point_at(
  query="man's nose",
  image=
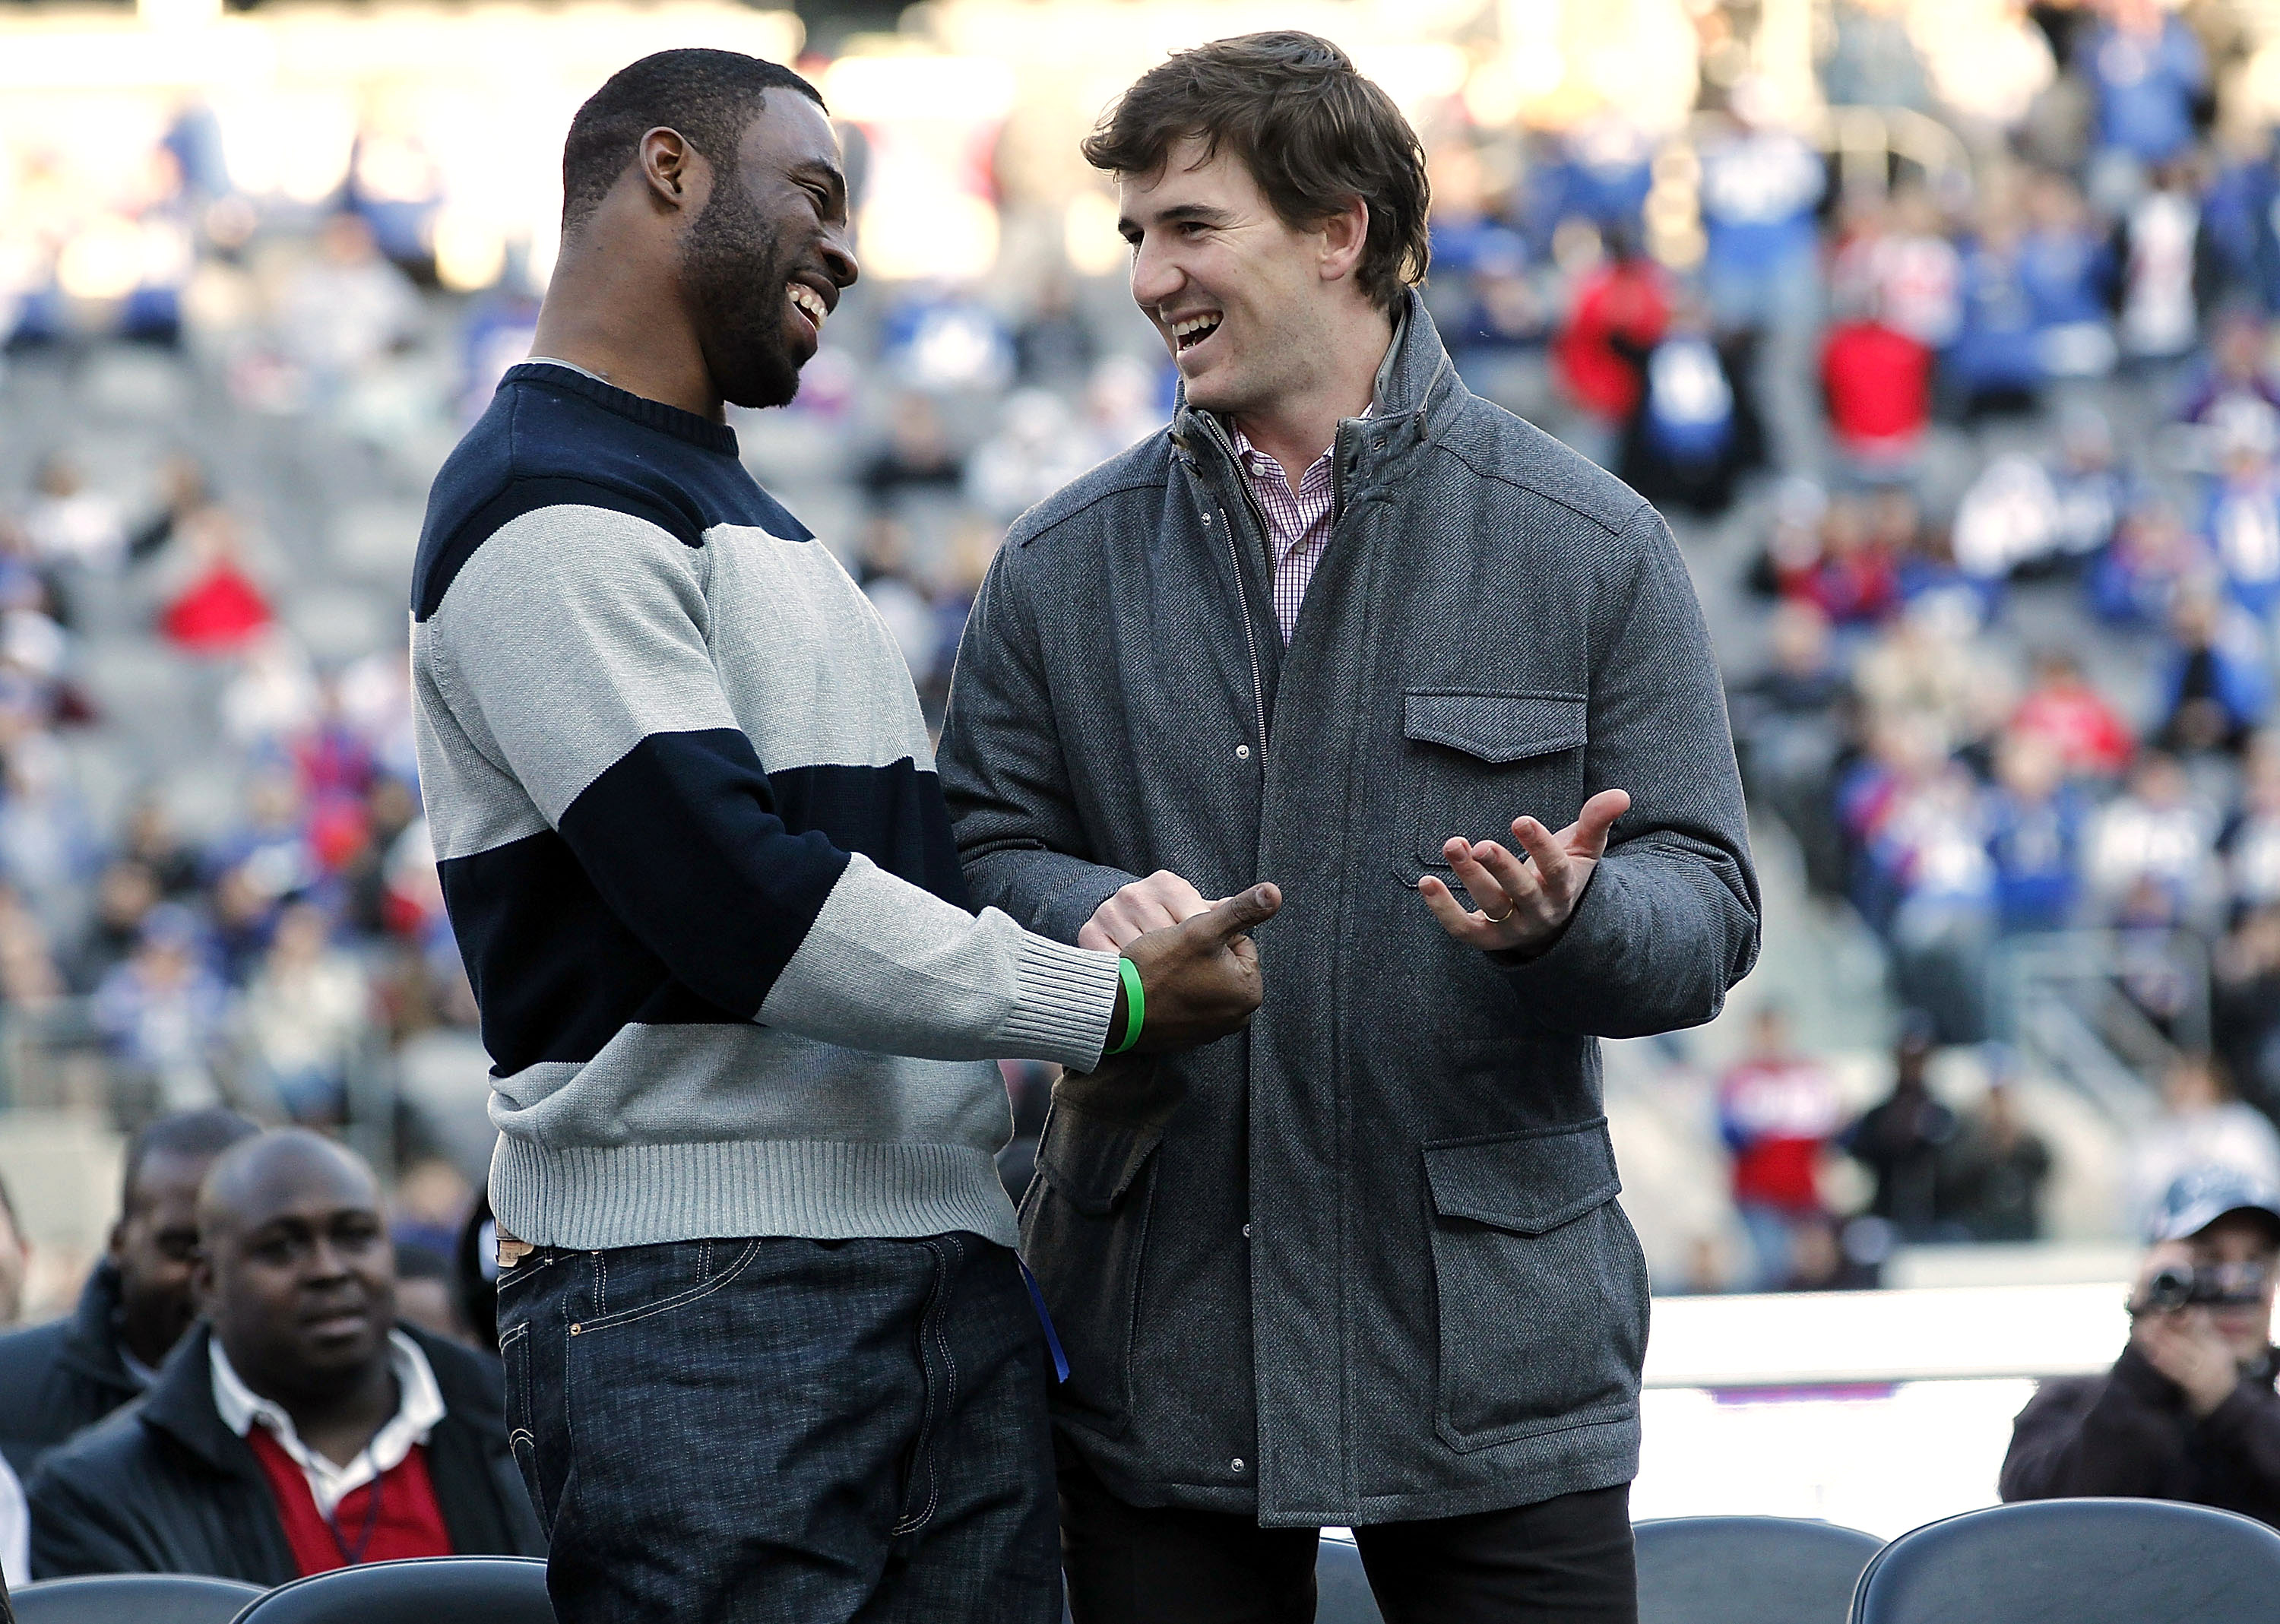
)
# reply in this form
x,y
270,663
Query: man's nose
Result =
x,y
839,260
1155,276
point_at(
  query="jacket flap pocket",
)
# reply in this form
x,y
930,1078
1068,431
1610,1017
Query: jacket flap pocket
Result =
x,y
1527,1184
1092,1163
1496,728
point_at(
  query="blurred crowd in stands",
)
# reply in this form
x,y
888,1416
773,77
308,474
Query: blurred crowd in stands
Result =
x,y
1976,443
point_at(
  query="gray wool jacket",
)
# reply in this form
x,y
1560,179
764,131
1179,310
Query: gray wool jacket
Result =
x,y
1362,1263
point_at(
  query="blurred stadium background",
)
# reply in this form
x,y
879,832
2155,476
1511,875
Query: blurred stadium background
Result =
x,y
1940,327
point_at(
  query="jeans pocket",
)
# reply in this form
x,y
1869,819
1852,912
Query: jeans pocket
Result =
x,y
1540,1286
640,1283
522,1404
1084,1231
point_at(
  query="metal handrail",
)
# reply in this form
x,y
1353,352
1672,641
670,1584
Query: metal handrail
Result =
x,y
2059,999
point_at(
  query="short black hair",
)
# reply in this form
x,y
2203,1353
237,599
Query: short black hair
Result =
x,y
710,96
185,1133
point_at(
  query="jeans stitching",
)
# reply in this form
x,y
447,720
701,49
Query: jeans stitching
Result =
x,y
923,1454
514,1335
604,1322
526,1269
602,1286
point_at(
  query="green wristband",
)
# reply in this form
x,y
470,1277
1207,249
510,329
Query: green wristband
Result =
x,y
1136,1005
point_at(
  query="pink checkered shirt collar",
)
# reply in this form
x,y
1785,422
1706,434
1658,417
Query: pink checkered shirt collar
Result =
x,y
1298,522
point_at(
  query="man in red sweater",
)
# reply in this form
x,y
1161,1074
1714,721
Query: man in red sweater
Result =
x,y
299,1428
1877,383
1777,1111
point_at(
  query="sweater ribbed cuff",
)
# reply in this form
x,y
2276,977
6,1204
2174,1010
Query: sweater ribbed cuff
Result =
x,y
1063,998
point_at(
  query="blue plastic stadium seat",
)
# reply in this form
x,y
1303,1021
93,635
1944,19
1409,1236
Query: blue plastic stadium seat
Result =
x,y
428,1590
133,1598
1748,1570
2076,1562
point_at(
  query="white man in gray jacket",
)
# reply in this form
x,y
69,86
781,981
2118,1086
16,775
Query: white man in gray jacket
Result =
x,y
1345,622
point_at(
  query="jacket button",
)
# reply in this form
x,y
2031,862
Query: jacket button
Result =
x,y
1236,1465
1246,1232
1242,752
1207,518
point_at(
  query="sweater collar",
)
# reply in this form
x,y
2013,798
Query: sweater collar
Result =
x,y
701,432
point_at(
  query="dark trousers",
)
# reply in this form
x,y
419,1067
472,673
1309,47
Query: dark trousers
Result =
x,y
1562,1561
784,1432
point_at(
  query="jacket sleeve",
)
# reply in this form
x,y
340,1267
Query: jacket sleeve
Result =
x,y
2108,1437
2246,1426
572,650
1669,919
75,1531
1005,775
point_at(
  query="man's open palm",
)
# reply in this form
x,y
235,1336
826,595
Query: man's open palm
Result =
x,y
1523,901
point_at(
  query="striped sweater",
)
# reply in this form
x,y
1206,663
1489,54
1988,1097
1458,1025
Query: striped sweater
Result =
x,y
693,850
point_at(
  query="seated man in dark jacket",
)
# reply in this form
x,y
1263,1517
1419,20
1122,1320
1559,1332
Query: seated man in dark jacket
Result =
x,y
2188,1412
58,1378
298,1428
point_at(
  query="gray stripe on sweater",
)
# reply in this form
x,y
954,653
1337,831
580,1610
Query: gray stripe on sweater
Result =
x,y
889,966
672,1084
473,803
590,627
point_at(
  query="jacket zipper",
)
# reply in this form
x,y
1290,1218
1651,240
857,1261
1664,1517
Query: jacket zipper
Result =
x,y
1235,557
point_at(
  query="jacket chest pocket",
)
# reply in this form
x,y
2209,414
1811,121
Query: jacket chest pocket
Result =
x,y
1540,1284
1473,761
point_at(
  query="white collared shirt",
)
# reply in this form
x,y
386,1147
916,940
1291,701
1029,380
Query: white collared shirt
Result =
x,y
418,1407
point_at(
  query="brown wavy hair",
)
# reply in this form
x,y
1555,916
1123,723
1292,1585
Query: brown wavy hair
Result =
x,y
1314,134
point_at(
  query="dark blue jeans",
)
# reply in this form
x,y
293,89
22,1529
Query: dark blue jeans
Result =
x,y
748,1431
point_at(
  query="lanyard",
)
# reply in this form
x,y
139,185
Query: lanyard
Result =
x,y
353,1556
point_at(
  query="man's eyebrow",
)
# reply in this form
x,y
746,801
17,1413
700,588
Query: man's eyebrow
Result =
x,y
1179,213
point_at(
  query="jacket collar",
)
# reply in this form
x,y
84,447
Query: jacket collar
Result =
x,y
180,1403
91,1348
1416,386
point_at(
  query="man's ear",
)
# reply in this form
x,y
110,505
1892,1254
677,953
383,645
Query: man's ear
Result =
x,y
1344,237
674,174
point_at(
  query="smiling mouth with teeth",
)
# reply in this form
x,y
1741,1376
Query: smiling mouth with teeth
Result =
x,y
809,302
1189,331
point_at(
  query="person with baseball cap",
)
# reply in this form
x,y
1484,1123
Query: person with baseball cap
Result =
x,y
2189,1410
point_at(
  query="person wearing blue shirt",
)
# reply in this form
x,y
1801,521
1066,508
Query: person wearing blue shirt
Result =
x,y
2034,836
2146,69
2065,269
1996,360
1759,188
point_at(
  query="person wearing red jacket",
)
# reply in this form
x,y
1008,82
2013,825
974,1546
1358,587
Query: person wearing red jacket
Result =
x,y
1777,1111
2064,709
1621,306
1877,383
